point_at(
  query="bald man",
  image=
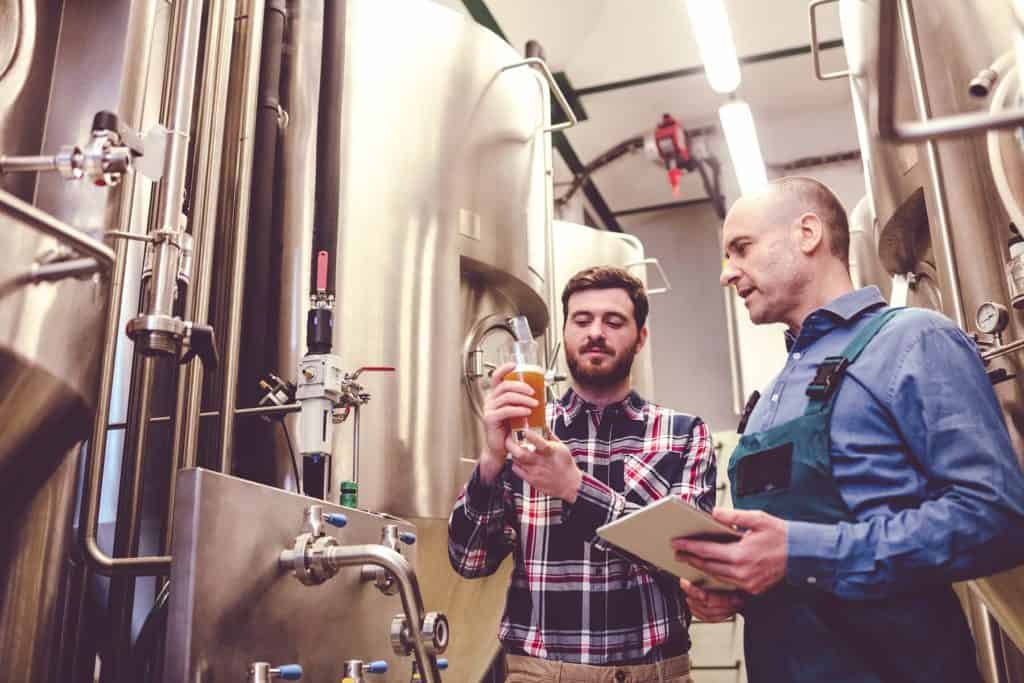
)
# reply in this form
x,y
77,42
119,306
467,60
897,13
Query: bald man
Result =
x,y
874,473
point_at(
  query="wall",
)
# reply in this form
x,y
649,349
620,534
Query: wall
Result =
x,y
688,326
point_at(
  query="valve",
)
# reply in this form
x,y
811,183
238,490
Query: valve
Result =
x,y
442,664
355,668
202,343
391,537
278,393
434,632
262,672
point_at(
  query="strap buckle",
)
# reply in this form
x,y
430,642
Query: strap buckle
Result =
x,y
827,377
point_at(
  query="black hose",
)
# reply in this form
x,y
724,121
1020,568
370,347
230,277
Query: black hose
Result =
x,y
712,184
264,245
328,144
610,155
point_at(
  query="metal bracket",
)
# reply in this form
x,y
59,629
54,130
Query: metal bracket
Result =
x,y
657,264
815,53
555,90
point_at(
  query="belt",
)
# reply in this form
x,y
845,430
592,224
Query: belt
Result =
x,y
667,650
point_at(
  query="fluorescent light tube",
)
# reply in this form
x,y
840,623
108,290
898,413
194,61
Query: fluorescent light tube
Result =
x,y
714,38
741,136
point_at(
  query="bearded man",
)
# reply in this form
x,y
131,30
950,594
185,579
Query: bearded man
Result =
x,y
576,610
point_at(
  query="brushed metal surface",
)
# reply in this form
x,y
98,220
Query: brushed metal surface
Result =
x,y
231,604
577,247
441,159
28,43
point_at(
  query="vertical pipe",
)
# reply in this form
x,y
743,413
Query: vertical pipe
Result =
x,y
129,519
920,87
328,156
167,252
232,335
210,134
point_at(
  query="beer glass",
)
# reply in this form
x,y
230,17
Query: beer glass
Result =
x,y
526,356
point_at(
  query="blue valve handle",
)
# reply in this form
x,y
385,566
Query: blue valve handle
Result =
x,y
337,519
289,672
407,537
442,663
378,667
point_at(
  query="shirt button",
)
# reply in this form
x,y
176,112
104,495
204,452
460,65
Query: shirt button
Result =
x,y
812,580
797,355
620,675
775,398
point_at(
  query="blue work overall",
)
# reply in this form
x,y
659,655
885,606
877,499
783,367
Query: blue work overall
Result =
x,y
803,633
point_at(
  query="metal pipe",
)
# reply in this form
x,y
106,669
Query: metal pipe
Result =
x,y
735,365
555,90
210,134
27,164
233,332
1003,350
408,588
121,598
260,411
355,446
917,77
50,272
48,225
167,252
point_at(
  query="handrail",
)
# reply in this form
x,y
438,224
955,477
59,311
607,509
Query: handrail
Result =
x,y
815,53
555,90
50,226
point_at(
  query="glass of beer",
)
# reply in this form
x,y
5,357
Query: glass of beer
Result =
x,y
526,356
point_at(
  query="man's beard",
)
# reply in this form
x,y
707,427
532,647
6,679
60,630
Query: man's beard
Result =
x,y
611,372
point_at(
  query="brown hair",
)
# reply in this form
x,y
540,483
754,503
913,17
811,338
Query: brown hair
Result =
x,y
608,277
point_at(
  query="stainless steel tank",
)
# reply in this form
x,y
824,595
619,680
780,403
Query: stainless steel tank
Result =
x,y
941,46
443,205
577,247
441,190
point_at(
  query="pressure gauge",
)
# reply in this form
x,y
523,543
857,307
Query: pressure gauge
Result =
x,y
992,318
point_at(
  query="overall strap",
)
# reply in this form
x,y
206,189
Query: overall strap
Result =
x,y
822,389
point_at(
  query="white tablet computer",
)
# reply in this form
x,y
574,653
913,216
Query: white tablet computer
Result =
x,y
648,533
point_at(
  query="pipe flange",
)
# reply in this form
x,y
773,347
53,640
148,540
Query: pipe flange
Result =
x,y
307,559
401,640
435,633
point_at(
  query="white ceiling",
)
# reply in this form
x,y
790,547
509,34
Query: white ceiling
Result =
x,y
596,42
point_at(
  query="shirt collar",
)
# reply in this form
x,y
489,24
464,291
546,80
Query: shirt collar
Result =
x,y
837,313
572,404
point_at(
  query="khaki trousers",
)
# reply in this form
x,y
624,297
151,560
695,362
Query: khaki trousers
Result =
x,y
533,670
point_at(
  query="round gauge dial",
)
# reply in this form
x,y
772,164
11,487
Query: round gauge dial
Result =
x,y
992,318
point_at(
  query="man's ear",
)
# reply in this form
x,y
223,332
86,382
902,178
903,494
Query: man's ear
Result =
x,y
812,232
641,338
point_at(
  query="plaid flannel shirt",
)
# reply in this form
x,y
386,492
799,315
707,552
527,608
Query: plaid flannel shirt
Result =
x,y
572,597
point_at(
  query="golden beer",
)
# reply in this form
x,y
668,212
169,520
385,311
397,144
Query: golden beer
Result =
x,y
534,376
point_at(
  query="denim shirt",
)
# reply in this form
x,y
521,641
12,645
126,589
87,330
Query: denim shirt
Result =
x,y
919,451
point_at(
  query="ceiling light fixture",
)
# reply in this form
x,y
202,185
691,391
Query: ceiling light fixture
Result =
x,y
744,149
714,38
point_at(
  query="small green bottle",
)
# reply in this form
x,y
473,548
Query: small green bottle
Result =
x,y
349,494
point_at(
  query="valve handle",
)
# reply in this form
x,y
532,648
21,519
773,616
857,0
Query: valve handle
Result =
x,y
377,667
442,663
407,537
289,672
201,342
336,519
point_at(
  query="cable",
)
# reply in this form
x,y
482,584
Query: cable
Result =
x,y
622,148
295,463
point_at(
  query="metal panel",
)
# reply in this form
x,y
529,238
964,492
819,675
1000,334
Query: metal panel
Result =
x,y
231,605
